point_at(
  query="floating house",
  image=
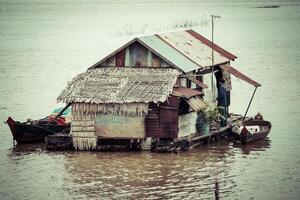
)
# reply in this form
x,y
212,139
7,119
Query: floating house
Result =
x,y
150,88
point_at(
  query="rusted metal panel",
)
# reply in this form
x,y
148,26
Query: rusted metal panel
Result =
x,y
209,44
152,121
117,126
193,49
172,102
120,58
168,118
168,122
109,62
185,50
138,55
101,62
156,61
185,92
238,74
167,53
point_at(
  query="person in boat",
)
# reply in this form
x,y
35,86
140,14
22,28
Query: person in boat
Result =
x,y
222,102
258,116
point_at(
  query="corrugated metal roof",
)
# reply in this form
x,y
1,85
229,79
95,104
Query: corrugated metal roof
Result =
x,y
216,47
185,92
196,103
240,75
169,54
121,85
185,50
192,48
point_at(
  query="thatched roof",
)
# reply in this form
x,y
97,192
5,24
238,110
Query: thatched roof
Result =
x,y
120,85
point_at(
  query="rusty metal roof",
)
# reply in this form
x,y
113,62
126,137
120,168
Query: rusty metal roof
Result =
x,y
186,50
121,85
185,92
216,47
192,48
240,75
196,103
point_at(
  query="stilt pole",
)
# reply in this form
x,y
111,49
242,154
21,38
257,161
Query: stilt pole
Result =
x,y
216,190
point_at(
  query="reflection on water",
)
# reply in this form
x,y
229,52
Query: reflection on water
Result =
x,y
138,175
29,148
147,175
261,145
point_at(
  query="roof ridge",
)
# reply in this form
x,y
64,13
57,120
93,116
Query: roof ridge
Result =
x,y
157,35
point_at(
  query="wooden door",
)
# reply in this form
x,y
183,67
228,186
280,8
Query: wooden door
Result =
x,y
168,122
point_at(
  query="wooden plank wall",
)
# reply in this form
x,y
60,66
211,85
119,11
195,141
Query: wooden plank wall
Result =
x,y
135,55
162,120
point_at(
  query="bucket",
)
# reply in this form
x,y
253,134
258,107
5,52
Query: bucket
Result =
x,y
204,130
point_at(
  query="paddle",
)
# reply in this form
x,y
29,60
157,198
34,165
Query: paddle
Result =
x,y
60,113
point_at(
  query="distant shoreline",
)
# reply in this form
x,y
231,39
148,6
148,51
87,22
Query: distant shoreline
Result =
x,y
271,6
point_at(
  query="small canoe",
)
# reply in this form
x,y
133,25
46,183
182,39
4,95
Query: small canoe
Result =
x,y
35,131
252,130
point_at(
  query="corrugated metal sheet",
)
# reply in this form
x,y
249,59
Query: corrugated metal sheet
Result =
x,y
185,50
209,44
168,118
196,103
192,48
185,92
169,54
152,121
238,74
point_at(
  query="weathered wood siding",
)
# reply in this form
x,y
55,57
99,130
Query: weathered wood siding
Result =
x,y
110,62
152,121
117,126
120,58
135,55
187,124
162,120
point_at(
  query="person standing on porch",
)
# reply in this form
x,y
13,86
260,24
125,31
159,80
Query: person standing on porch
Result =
x,y
222,102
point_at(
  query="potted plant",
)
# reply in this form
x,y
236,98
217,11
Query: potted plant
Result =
x,y
205,119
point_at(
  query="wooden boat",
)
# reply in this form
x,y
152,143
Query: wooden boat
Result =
x,y
34,131
252,130
37,130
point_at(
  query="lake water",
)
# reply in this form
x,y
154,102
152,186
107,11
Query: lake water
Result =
x,y
43,44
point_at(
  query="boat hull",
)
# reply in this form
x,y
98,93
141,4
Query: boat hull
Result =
x,y
29,133
247,137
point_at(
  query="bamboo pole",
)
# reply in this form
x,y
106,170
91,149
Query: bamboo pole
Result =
x,y
217,190
249,104
60,113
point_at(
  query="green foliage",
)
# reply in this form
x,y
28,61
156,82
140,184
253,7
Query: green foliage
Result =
x,y
207,116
